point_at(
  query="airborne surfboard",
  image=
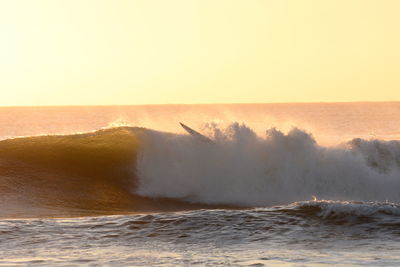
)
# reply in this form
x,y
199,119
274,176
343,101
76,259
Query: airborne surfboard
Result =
x,y
196,133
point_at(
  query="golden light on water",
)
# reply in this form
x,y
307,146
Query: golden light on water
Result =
x,y
144,52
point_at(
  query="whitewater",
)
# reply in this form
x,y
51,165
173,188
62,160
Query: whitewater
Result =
x,y
121,186
243,169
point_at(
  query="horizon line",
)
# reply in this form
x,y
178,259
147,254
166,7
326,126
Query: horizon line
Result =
x,y
199,104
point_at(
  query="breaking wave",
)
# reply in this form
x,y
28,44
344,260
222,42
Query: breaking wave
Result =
x,y
129,169
243,169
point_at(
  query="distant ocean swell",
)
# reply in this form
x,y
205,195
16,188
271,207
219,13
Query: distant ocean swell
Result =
x,y
129,169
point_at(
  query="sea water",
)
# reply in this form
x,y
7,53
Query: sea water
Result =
x,y
281,184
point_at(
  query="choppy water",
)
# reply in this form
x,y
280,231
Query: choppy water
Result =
x,y
299,234
123,196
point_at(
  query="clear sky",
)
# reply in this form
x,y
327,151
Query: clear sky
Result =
x,y
96,52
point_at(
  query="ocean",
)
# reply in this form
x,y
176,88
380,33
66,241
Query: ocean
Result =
x,y
279,185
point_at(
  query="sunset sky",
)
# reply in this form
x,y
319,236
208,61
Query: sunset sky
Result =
x,y
100,52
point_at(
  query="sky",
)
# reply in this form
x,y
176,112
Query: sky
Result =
x,y
105,52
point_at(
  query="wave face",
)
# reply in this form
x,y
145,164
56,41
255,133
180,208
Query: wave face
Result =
x,y
74,175
129,169
243,169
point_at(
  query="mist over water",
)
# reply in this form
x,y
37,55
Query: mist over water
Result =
x,y
329,123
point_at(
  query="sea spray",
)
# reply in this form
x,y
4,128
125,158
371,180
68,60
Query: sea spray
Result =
x,y
242,168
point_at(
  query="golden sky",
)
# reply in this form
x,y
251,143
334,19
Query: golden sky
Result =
x,y
96,52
